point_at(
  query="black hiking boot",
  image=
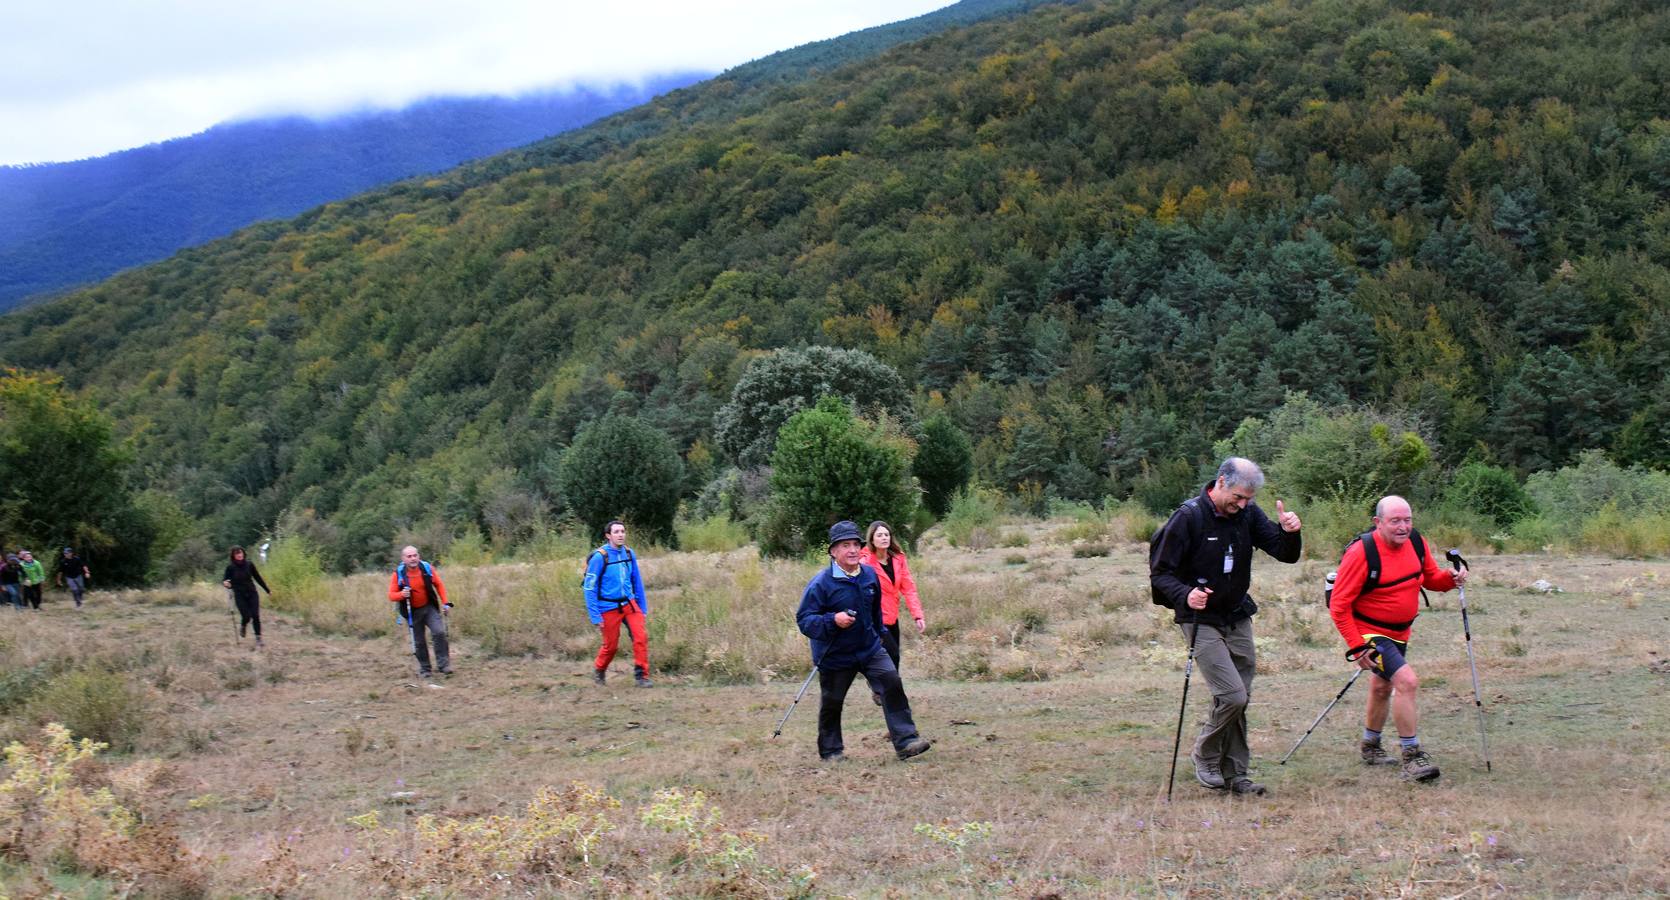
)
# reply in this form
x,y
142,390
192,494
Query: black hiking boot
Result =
x,y
916,746
1244,785
597,675
258,644
1375,755
1417,766
640,677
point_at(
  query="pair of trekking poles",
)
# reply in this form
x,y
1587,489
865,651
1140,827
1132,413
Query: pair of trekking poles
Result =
x,y
1454,556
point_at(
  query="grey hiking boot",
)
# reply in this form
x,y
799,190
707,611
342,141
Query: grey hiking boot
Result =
x,y
1417,766
597,675
916,746
640,677
1375,755
1207,774
258,644
1244,785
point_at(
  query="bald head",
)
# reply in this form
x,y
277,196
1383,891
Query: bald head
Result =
x,y
409,556
1393,520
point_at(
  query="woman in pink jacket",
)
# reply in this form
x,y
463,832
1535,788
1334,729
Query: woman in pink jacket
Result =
x,y
896,584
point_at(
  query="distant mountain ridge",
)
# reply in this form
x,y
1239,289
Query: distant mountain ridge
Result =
x,y
68,224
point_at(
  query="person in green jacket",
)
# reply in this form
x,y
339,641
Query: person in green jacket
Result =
x,y
34,575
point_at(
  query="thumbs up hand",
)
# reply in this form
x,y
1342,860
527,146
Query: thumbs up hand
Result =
x,y
1289,521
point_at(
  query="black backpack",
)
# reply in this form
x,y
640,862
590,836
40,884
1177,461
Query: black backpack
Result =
x,y
1199,509
1371,558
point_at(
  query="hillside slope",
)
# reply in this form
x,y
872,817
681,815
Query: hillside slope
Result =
x,y
1103,233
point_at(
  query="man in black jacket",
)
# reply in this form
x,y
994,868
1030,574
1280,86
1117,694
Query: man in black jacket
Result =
x,y
1201,567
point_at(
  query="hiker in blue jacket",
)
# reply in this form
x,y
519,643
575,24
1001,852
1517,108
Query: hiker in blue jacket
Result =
x,y
839,613
614,594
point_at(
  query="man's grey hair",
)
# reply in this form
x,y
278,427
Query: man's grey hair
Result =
x,y
1238,471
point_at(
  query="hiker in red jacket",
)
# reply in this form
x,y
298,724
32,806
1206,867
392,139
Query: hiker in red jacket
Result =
x,y
1381,618
417,587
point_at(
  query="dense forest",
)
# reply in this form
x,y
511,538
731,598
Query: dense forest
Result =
x,y
74,223
1099,237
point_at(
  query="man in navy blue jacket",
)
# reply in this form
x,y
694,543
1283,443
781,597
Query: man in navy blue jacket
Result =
x,y
838,612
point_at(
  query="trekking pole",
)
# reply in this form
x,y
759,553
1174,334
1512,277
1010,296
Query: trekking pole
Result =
x,y
232,607
411,630
1327,709
1177,745
803,686
1454,556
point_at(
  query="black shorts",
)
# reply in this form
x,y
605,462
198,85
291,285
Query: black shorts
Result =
x,y
1391,656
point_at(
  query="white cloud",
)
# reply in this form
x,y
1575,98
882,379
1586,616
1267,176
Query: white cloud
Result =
x,y
87,77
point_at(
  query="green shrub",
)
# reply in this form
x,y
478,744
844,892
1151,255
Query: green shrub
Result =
x,y
621,468
714,534
1576,492
1355,456
829,466
1490,490
1087,551
95,704
973,508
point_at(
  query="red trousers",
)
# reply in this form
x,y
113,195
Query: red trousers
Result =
x,y
611,637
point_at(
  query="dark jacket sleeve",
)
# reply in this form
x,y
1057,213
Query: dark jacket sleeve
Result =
x,y
1269,536
227,575
813,621
1167,574
255,575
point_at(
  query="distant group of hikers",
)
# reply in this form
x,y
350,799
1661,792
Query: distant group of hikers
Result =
x,y
1200,567
22,576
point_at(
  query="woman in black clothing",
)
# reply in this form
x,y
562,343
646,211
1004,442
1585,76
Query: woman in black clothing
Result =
x,y
242,577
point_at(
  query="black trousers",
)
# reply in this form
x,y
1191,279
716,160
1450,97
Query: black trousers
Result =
x,y
890,642
249,610
884,679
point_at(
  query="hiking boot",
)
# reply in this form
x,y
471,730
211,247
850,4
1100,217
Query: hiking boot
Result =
x,y
447,671
1375,755
1207,773
598,674
1417,766
640,677
426,674
916,746
258,644
1244,785
835,758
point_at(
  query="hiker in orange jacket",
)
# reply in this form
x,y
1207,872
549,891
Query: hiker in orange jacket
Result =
x,y
893,571
1382,618
417,587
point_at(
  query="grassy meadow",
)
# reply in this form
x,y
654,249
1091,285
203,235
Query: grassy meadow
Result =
x,y
1048,682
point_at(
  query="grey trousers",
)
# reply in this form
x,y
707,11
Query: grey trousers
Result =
x,y
1225,659
428,617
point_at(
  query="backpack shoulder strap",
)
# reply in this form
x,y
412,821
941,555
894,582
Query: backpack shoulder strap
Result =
x,y
1371,559
1420,547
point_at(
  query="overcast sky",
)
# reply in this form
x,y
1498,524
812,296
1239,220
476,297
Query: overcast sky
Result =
x,y
82,78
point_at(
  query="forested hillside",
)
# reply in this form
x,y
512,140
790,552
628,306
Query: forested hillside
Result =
x,y
74,223
1099,236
